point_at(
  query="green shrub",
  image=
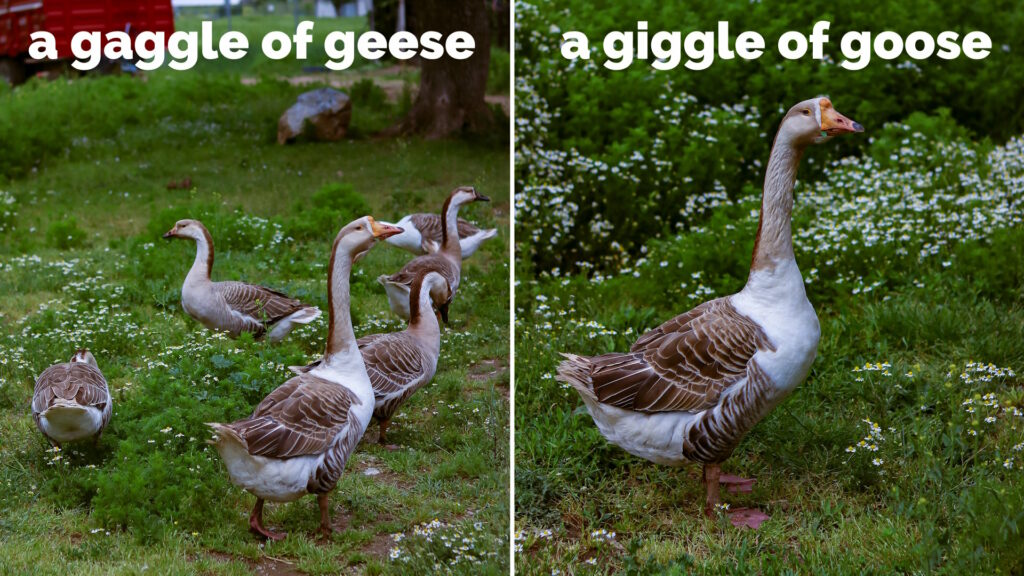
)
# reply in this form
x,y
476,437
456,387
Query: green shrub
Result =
x,y
366,93
498,71
8,211
321,216
65,234
607,159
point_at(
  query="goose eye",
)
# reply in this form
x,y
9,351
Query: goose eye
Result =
x,y
807,112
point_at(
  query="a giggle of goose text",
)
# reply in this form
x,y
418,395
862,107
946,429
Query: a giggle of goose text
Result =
x,y
666,49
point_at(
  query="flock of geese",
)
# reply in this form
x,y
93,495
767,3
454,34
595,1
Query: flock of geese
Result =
x,y
300,436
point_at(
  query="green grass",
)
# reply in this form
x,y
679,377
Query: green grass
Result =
x,y
82,264
934,304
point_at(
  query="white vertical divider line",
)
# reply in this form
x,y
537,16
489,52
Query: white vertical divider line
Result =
x,y
512,292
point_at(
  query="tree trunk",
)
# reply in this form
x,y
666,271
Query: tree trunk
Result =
x,y
451,94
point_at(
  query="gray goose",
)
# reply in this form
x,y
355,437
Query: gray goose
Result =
x,y
301,435
447,260
71,400
423,233
400,363
690,389
234,307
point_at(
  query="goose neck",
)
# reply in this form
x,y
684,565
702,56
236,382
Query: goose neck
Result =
x,y
341,339
774,242
202,267
422,320
450,229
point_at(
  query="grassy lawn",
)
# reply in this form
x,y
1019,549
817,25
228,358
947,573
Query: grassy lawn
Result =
x,y
903,451
83,200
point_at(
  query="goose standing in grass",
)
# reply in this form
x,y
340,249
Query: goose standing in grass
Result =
x,y
447,260
71,400
690,389
400,363
299,438
234,307
423,234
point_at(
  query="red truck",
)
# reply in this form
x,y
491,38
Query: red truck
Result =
x,y
63,18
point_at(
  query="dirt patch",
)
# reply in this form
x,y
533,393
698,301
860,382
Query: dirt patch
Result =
x,y
265,566
378,547
384,474
486,369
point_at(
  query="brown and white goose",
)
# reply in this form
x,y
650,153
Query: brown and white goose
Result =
x,y
400,363
447,260
423,234
301,435
234,307
690,389
71,400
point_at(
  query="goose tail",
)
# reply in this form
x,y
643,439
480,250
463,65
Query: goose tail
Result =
x,y
575,371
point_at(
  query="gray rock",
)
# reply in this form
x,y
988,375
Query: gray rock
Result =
x,y
323,114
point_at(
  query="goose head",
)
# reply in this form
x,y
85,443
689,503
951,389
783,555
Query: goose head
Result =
x,y
466,194
83,355
814,121
440,291
192,229
357,237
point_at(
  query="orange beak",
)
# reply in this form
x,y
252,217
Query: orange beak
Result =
x,y
382,231
171,233
833,122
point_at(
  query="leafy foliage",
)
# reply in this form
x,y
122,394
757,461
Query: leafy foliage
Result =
x,y
606,159
331,204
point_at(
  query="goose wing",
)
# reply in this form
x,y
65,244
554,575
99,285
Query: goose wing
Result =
x,y
682,365
74,381
429,226
302,416
420,265
394,363
259,304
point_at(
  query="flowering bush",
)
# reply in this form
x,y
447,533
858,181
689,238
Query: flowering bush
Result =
x,y
608,159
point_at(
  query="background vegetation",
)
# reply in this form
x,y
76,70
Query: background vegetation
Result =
x,y
637,197
614,149
86,190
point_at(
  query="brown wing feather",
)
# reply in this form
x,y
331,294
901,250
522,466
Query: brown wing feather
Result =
x,y
429,226
70,381
302,416
263,304
393,361
684,364
420,265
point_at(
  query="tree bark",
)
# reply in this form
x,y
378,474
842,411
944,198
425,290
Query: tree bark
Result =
x,y
451,93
